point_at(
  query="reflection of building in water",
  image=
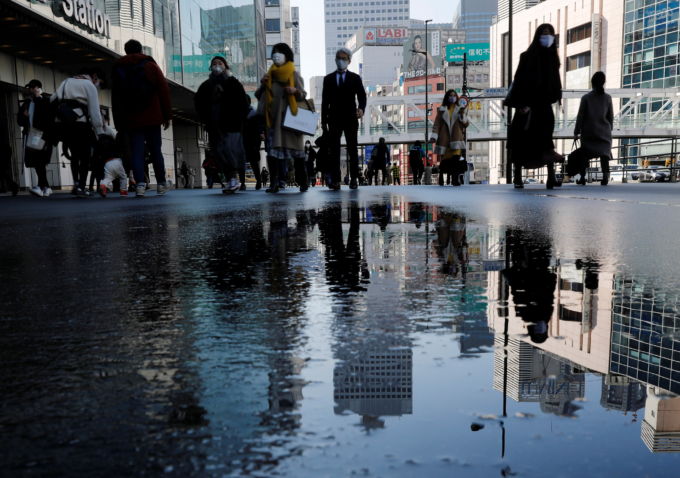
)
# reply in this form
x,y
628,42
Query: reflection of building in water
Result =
x,y
645,346
622,394
661,426
536,376
376,383
579,328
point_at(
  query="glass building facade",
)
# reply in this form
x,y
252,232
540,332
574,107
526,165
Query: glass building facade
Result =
x,y
650,44
645,340
233,29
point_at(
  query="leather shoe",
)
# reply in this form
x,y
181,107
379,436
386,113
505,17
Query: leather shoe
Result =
x,y
353,184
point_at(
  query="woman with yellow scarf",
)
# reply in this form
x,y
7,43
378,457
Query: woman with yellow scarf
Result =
x,y
280,87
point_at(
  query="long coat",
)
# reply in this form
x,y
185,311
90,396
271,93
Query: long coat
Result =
x,y
594,123
282,138
449,130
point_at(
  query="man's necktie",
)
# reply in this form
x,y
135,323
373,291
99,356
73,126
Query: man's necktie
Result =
x,y
341,80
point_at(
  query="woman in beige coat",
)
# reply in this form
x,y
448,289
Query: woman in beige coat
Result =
x,y
448,133
281,87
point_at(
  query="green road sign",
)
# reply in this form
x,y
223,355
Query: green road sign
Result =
x,y
475,52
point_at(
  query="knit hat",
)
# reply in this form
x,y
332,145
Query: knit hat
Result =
x,y
220,58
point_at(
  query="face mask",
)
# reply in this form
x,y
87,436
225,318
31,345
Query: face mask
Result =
x,y
462,103
452,100
547,40
38,92
217,69
278,59
342,64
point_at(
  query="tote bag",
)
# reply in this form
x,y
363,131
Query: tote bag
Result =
x,y
306,120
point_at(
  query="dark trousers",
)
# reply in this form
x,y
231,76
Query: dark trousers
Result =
x,y
78,140
41,171
350,128
253,158
141,140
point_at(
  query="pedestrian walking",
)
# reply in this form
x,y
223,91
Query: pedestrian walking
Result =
x,y
310,163
109,151
140,97
265,176
222,105
281,89
594,125
535,88
381,161
396,174
448,133
342,106
35,119
78,122
415,160
184,171
252,141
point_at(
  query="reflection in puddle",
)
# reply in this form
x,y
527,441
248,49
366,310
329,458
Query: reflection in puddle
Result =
x,y
391,339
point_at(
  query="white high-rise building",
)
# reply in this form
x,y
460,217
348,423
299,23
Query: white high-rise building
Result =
x,y
343,19
281,26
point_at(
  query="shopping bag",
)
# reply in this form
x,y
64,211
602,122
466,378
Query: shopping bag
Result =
x,y
304,122
35,140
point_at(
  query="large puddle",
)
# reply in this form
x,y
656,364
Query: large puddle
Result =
x,y
354,339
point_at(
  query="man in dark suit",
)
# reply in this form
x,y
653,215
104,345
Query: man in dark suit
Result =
x,y
340,114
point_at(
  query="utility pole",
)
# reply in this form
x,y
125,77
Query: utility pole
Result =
x,y
465,88
427,101
508,162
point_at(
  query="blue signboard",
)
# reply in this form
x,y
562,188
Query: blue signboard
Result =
x,y
475,52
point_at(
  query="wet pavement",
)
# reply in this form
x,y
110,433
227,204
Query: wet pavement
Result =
x,y
396,332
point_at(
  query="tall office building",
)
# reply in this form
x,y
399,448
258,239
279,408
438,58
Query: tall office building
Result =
x,y
343,19
281,24
517,6
475,18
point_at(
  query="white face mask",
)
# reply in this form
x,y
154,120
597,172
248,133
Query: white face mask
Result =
x,y
38,92
278,59
342,64
217,69
547,40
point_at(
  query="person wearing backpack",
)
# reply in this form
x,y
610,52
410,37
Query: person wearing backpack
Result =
x,y
78,122
140,98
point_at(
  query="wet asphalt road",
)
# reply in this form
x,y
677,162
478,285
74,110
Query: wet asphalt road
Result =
x,y
199,334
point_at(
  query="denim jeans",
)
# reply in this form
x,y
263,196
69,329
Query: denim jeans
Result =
x,y
149,137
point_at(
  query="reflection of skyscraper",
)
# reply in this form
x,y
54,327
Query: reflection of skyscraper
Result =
x,y
622,393
537,376
376,383
661,426
643,341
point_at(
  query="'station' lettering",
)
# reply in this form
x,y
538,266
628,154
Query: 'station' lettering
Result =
x,y
83,13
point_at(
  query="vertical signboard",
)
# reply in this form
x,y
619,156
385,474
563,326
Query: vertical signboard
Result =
x,y
596,43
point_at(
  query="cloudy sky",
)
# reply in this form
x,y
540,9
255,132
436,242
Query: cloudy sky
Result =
x,y
312,36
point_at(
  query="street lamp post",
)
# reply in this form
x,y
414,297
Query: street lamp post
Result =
x,y
509,165
427,108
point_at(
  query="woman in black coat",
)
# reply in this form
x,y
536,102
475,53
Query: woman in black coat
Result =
x,y
35,113
536,87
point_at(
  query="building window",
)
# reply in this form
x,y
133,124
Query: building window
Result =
x,y
581,60
579,33
272,3
272,24
440,86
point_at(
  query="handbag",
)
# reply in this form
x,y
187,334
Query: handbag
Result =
x,y
305,121
35,140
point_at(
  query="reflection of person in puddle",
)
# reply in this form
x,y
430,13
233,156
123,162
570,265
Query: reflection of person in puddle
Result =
x,y
452,243
380,214
532,281
345,269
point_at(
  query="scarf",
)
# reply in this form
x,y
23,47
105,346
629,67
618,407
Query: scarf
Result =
x,y
284,74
